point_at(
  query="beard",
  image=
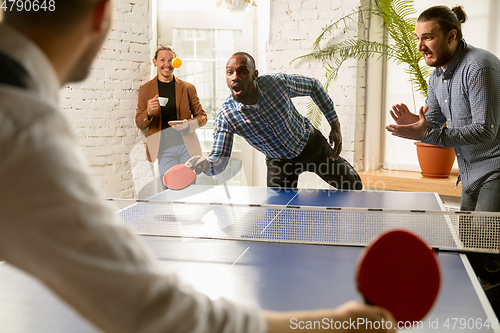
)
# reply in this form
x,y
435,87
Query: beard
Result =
x,y
439,59
239,98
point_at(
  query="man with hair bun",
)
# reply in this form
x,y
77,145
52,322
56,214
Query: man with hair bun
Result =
x,y
462,111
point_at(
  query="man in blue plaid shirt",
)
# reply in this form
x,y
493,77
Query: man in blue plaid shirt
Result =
x,y
261,111
464,94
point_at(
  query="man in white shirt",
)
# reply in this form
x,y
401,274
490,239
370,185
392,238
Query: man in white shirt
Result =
x,y
52,222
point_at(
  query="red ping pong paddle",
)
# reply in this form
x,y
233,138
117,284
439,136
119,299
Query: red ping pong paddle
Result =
x,y
399,272
181,176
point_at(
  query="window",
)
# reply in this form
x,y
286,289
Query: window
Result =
x,y
204,41
204,55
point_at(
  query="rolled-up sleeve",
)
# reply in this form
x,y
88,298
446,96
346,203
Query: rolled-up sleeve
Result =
x,y
222,146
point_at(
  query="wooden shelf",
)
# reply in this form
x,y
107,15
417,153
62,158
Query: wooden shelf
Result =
x,y
409,181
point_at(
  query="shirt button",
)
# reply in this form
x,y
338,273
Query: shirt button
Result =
x,y
492,126
444,80
449,119
446,101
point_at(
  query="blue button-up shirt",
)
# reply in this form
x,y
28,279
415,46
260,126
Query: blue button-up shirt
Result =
x,y
466,97
273,126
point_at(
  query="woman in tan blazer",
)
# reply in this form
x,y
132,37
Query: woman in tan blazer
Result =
x,y
172,143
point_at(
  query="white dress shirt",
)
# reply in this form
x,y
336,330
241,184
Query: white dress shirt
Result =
x,y
54,226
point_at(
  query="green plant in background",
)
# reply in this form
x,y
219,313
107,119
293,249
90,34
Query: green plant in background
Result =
x,y
399,46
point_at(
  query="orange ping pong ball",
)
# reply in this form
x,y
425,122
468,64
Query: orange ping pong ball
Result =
x,y
176,62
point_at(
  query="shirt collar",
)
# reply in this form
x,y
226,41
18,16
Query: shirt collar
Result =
x,y
457,58
43,78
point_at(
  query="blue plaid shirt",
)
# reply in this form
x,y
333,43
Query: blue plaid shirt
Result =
x,y
466,96
273,126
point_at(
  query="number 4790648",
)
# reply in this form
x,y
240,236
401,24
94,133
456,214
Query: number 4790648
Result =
x,y
28,5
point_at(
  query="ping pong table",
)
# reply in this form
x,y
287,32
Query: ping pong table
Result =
x,y
278,275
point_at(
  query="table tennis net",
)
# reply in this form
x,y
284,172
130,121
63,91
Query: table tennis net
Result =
x,y
445,230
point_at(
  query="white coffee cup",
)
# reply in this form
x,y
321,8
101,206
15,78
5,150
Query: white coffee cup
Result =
x,y
163,101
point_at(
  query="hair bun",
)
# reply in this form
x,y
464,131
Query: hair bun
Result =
x,y
460,13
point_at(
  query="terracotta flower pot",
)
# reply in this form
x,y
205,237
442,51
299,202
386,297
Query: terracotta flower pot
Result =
x,y
435,161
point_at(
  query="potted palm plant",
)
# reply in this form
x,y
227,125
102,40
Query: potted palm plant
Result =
x,y
400,47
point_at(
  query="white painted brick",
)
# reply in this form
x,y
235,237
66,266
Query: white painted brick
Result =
x,y
81,104
114,141
319,25
129,131
302,33
102,151
141,9
106,95
65,103
100,170
309,4
123,94
124,26
308,15
291,27
113,75
126,65
128,140
120,168
106,64
139,48
113,37
70,93
93,94
294,5
120,148
138,28
108,54
103,106
120,132
118,85
114,159
127,193
127,104
131,37
97,123
144,67
123,113
122,46
132,56
133,18
97,74
99,161
124,7
128,74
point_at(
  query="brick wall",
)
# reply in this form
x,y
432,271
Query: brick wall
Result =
x,y
101,109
